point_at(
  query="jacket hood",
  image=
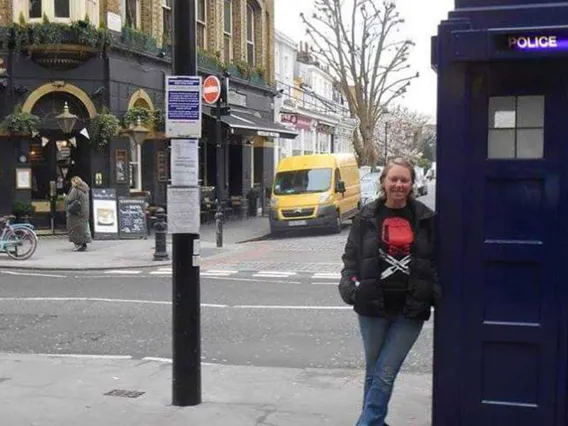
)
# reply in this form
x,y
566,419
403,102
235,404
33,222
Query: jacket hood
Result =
x,y
83,187
421,210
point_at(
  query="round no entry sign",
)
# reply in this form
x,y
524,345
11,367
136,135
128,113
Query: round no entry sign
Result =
x,y
211,89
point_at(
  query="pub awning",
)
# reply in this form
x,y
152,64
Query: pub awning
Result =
x,y
249,124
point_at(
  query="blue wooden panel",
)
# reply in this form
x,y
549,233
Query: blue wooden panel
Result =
x,y
512,292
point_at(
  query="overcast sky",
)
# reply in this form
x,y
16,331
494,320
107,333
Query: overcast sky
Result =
x,y
422,19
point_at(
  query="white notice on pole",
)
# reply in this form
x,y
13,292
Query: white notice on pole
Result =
x,y
184,162
183,210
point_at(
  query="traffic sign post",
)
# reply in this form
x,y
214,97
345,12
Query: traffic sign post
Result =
x,y
215,93
183,124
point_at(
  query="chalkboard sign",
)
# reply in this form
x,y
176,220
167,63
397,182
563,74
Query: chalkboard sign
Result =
x,y
104,213
132,218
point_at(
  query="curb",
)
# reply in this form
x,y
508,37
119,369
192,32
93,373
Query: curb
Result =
x,y
99,268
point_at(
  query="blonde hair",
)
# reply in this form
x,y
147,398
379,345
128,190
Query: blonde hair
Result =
x,y
396,162
76,180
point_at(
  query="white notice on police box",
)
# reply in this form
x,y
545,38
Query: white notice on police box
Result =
x,y
183,210
184,162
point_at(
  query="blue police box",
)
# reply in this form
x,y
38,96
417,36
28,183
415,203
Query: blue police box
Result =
x,y
500,341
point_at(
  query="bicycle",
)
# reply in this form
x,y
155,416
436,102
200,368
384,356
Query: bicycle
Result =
x,y
14,237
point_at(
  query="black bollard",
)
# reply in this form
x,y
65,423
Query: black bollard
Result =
x,y
160,235
219,225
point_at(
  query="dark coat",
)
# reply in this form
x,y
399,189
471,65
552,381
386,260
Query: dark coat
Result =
x,y
361,261
78,224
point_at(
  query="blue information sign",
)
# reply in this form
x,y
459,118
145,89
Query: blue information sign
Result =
x,y
183,106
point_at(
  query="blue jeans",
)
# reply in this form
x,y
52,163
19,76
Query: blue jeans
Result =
x,y
386,343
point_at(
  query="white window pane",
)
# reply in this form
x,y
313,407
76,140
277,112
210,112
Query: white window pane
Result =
x,y
501,144
530,143
530,111
502,112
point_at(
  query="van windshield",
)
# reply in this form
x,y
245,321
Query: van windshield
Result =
x,y
302,181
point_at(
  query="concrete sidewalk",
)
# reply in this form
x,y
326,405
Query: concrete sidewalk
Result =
x,y
55,253
43,390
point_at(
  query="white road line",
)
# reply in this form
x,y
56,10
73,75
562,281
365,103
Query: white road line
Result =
x,y
123,271
85,356
323,283
161,273
163,302
219,271
284,273
30,274
214,278
302,308
325,276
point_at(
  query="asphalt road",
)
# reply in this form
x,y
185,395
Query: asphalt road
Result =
x,y
246,320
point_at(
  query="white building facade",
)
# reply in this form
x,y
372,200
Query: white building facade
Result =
x,y
309,103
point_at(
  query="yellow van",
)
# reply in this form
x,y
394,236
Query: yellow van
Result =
x,y
319,190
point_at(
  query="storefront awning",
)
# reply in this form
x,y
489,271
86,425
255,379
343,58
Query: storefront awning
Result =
x,y
244,123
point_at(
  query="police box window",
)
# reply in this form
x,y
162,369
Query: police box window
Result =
x,y
516,127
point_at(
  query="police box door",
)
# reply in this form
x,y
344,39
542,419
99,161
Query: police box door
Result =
x,y
514,356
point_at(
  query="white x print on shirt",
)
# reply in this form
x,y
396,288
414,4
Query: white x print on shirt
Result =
x,y
396,265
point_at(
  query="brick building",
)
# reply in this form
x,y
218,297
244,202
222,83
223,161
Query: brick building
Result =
x,y
106,60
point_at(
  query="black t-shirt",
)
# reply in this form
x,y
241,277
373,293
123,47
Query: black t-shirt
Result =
x,y
395,239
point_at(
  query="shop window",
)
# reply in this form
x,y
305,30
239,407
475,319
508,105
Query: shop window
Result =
x,y
250,35
201,24
516,127
228,30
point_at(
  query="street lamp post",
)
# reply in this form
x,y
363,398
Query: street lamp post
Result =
x,y
386,141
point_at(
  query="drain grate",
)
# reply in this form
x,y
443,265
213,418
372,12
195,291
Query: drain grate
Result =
x,y
124,393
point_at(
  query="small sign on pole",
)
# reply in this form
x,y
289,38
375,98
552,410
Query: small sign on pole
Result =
x,y
183,106
211,89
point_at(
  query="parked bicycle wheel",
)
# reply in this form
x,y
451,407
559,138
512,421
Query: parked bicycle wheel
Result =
x,y
21,243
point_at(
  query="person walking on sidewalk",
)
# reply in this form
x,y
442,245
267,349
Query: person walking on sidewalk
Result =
x,y
390,278
78,213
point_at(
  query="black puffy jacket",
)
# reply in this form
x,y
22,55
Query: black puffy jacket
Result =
x,y
361,261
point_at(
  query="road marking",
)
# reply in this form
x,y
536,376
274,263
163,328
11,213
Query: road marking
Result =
x,y
326,276
323,283
30,274
85,356
123,271
214,273
302,308
273,274
164,302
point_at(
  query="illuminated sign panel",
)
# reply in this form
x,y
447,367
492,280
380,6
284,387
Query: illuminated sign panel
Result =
x,y
533,42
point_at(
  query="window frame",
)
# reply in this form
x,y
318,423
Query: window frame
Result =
x,y
167,11
47,8
514,128
201,24
251,55
228,35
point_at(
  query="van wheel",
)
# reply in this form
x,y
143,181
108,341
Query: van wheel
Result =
x,y
337,226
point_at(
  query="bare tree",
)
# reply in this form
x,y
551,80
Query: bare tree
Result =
x,y
357,39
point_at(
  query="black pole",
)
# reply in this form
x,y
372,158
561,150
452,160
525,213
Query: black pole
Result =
x,y
220,177
186,313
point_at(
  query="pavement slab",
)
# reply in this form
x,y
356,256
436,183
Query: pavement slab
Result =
x,y
44,390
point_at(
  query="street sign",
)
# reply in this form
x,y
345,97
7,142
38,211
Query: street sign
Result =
x,y
211,89
183,106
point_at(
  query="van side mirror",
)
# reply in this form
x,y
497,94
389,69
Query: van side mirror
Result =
x,y
340,187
